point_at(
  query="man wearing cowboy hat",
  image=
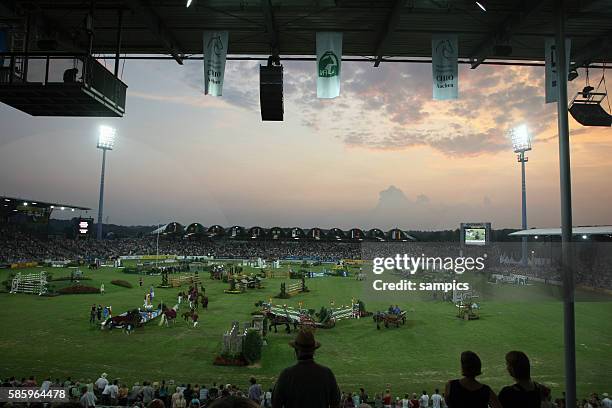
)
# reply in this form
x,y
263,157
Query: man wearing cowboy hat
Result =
x,y
306,384
100,384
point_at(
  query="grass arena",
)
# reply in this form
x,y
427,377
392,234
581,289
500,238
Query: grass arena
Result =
x,y
52,336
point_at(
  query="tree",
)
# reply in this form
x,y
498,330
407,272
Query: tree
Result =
x,y
252,346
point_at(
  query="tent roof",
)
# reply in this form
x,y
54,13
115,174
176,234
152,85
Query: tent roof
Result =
x,y
596,230
377,29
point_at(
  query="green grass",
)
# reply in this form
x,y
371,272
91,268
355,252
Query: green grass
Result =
x,y
51,336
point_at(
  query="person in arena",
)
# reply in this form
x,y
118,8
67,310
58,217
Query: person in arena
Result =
x,y
306,384
467,392
524,393
92,314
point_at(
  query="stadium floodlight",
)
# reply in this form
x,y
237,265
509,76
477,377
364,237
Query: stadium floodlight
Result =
x,y
106,137
521,139
481,5
188,3
521,143
106,141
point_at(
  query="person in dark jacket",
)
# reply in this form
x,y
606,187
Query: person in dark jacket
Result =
x,y
525,393
467,392
306,384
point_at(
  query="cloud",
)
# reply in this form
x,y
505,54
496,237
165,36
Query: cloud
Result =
x,y
396,206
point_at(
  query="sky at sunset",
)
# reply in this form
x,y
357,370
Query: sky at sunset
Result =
x,y
383,154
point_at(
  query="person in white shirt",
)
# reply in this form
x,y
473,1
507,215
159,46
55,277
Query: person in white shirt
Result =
x,y
405,401
424,400
606,402
101,383
436,399
45,385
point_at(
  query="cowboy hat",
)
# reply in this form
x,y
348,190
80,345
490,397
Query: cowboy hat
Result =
x,y
305,341
104,375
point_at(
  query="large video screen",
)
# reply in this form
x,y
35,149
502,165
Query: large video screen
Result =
x,y
476,236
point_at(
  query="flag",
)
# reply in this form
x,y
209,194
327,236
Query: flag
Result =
x,y
550,59
445,69
329,61
215,52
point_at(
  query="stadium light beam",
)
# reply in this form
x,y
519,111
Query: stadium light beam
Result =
x,y
521,143
106,141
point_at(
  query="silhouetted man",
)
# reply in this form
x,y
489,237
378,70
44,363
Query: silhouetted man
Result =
x,y
306,384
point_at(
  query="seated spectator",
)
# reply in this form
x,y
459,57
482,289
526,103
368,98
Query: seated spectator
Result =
x,y
467,392
306,384
525,393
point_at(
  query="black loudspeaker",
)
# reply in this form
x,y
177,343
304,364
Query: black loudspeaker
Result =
x,y
271,92
590,114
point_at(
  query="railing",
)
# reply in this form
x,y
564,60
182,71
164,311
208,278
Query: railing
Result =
x,y
47,69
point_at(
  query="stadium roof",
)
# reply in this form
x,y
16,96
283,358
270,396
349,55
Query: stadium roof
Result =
x,y
374,29
597,230
16,202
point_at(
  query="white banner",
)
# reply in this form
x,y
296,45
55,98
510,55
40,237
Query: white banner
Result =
x,y
329,61
445,69
550,59
215,51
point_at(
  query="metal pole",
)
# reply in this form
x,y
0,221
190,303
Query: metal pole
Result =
x,y
101,202
157,248
569,334
118,44
523,160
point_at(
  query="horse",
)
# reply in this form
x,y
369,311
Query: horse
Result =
x,y
168,315
127,321
275,320
191,314
204,299
389,318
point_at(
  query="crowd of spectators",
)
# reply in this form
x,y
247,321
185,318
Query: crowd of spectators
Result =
x,y
20,247
308,384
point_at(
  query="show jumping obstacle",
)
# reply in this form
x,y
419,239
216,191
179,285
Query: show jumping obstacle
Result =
x,y
35,283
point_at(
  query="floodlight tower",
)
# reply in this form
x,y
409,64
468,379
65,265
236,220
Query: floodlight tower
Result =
x,y
106,141
521,143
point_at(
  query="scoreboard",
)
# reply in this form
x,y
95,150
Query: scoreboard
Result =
x,y
83,227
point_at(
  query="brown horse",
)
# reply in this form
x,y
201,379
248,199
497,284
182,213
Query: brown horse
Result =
x,y
192,315
168,316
